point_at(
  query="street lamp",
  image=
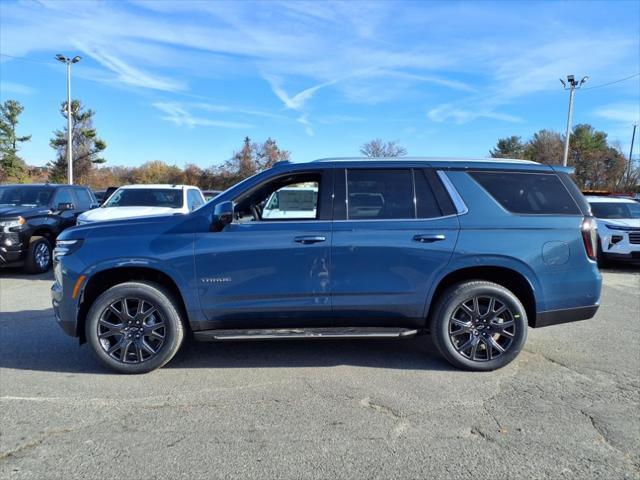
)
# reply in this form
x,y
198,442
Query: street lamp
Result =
x,y
573,85
69,61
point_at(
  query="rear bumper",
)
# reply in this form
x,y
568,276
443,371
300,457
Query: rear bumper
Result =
x,y
555,317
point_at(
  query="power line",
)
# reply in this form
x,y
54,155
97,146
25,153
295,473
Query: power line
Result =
x,y
611,83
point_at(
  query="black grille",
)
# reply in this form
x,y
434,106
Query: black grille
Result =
x,y
634,237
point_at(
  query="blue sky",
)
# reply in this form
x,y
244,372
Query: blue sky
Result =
x,y
186,81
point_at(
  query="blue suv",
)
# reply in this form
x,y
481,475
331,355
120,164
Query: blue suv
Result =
x,y
471,252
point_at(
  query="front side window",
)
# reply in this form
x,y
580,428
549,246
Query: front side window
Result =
x,y
297,200
84,199
380,194
615,210
145,197
24,196
194,199
293,197
63,196
528,193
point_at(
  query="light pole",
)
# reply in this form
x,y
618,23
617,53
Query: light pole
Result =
x,y
69,61
573,85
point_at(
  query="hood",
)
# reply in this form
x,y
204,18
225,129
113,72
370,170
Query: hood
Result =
x,y
10,212
123,213
620,222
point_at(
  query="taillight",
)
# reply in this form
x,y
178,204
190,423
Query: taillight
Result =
x,y
590,237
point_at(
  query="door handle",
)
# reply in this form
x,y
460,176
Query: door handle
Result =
x,y
308,239
429,238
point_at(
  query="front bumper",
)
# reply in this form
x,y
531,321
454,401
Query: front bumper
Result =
x,y
620,244
565,315
12,249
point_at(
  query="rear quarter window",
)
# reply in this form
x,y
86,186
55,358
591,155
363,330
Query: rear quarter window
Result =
x,y
528,193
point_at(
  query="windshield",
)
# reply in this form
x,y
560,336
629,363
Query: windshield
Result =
x,y
145,197
615,210
25,196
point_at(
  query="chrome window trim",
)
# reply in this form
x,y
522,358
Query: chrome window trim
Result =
x,y
461,207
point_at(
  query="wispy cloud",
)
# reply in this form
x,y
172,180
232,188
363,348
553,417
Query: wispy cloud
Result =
x,y
15,88
627,113
458,115
297,101
129,74
182,117
304,120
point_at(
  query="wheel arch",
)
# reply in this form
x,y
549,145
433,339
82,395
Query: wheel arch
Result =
x,y
509,278
45,232
102,280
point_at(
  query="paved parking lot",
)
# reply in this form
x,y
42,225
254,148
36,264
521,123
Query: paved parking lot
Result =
x,y
569,407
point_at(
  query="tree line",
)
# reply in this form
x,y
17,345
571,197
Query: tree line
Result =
x,y
598,165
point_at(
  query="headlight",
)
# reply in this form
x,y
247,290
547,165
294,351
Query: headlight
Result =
x,y
6,225
66,247
617,227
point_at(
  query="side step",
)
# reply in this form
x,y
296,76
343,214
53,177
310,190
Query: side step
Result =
x,y
289,333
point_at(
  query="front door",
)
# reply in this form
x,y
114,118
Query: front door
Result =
x,y
270,267
390,240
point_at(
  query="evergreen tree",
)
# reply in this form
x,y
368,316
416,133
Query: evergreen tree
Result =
x,y
86,146
12,167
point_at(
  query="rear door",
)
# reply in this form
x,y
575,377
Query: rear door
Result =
x,y
394,232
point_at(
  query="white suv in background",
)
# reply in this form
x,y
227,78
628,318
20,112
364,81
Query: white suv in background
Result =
x,y
618,227
145,200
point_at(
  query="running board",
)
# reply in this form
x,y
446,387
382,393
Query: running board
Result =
x,y
291,333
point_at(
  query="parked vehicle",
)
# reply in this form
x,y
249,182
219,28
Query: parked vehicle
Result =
x,y
291,202
472,252
133,201
209,194
32,216
618,228
103,195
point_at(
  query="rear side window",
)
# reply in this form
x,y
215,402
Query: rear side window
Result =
x,y
379,194
426,203
528,193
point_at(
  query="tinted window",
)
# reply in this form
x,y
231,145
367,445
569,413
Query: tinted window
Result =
x,y
426,203
528,193
25,196
615,210
145,197
84,199
379,194
194,198
63,195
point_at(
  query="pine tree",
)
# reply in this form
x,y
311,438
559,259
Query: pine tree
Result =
x,y
86,146
12,167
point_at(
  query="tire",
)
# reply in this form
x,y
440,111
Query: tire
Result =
x,y
38,258
135,338
461,315
602,260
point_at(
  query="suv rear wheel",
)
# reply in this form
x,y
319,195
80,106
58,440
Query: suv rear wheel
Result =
x,y
134,327
38,256
479,325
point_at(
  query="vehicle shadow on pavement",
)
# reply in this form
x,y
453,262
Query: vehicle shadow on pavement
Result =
x,y
31,340
18,274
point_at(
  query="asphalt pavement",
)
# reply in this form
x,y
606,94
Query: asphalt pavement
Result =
x,y
568,407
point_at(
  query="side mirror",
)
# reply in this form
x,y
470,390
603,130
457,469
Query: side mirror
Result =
x,y
222,216
63,207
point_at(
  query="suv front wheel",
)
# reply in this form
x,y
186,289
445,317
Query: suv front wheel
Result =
x,y
479,325
134,327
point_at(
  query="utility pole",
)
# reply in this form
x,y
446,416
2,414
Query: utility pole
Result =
x,y
573,85
633,137
69,61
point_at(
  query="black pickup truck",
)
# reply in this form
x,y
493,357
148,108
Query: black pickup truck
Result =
x,y
32,216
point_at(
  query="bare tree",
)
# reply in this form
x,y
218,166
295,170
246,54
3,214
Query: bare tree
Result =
x,y
378,148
